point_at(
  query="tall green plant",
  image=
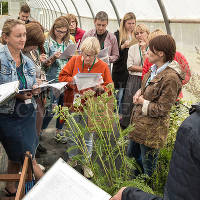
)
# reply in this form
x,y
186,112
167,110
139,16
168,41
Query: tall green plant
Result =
x,y
111,167
178,113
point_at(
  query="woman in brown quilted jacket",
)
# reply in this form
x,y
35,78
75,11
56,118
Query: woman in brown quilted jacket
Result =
x,y
159,91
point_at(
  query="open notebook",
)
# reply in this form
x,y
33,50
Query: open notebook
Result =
x,y
63,182
8,90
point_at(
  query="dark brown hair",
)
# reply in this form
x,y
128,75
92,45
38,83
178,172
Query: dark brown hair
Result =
x,y
34,35
59,23
25,8
102,16
164,43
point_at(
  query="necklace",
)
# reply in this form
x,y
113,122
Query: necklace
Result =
x,y
89,69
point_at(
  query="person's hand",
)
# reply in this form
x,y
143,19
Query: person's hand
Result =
x,y
57,54
140,100
125,45
36,90
43,57
24,96
99,89
143,45
118,196
39,81
136,96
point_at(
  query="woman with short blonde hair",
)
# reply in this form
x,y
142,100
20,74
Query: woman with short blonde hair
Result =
x,y
87,62
135,61
91,44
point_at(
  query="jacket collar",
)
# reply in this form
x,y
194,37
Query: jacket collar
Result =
x,y
174,66
9,56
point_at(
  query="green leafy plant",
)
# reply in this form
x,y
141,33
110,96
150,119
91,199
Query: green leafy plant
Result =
x,y
178,113
111,167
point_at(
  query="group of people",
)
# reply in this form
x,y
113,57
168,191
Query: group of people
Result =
x,y
146,70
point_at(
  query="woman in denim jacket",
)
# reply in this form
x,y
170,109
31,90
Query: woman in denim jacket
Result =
x,y
17,115
55,44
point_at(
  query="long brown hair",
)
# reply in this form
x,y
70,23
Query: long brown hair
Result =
x,y
123,35
59,23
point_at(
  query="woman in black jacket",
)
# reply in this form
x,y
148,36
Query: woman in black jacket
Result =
x,y
125,38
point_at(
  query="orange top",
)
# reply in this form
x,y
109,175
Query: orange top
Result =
x,y
73,67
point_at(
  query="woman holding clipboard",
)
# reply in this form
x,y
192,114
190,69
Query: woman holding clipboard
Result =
x,y
87,62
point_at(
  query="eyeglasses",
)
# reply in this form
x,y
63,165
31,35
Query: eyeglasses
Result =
x,y
61,32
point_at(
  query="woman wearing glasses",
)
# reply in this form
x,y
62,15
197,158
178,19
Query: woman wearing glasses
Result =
x,y
55,44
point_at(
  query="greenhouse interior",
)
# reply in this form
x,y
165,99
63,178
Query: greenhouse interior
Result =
x,y
99,99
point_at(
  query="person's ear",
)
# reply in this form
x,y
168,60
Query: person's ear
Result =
x,y
160,54
5,37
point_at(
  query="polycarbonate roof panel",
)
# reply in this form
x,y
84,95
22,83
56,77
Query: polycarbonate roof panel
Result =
x,y
70,6
182,9
62,7
143,9
102,5
35,4
83,8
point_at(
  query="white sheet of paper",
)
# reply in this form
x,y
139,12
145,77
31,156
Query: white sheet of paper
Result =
x,y
63,182
104,56
58,88
87,80
8,89
69,51
103,53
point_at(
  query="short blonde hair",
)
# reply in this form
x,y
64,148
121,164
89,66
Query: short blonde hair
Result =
x,y
156,33
90,44
142,27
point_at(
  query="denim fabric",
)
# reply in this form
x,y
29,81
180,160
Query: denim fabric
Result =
x,y
8,73
145,156
88,136
120,95
18,131
51,47
49,112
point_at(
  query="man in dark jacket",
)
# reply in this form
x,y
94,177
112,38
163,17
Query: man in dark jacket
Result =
x,y
184,174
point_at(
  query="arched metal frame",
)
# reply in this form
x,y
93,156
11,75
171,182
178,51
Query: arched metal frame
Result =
x,y
116,11
160,3
44,11
58,6
65,7
92,12
53,9
165,16
49,10
79,17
